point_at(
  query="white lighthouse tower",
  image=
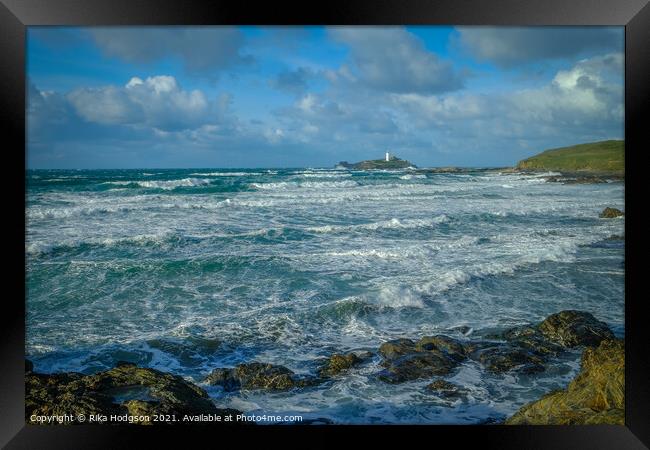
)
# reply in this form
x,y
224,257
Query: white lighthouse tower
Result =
x,y
387,156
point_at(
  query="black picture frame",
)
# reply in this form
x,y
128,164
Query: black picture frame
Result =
x,y
16,15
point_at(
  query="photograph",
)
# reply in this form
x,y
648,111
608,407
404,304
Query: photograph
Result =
x,y
325,225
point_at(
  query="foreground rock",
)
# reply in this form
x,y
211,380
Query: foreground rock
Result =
x,y
526,349
339,363
610,213
574,328
125,389
258,375
529,347
406,360
504,358
532,339
595,396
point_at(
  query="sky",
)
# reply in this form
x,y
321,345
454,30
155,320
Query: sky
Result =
x,y
249,97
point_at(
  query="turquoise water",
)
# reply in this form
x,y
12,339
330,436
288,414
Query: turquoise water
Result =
x,y
187,270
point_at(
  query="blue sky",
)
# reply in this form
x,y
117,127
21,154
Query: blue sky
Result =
x,y
133,97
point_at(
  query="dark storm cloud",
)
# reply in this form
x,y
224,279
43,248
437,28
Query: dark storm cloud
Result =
x,y
512,46
200,48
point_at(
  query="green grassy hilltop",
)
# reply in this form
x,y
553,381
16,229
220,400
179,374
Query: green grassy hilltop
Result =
x,y
604,156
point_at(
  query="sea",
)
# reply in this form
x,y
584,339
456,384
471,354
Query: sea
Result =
x,y
191,269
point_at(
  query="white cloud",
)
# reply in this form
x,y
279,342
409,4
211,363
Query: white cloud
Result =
x,y
157,101
394,60
590,92
584,98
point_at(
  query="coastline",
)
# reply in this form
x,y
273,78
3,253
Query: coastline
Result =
x,y
594,396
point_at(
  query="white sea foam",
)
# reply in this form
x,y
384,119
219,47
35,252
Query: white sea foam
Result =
x,y
164,184
289,185
398,297
412,177
226,174
324,175
173,184
384,224
367,253
36,248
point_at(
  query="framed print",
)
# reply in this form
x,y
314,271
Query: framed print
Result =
x,y
363,217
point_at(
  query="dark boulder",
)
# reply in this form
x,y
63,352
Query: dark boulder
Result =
x,y
530,338
29,366
611,213
504,358
125,389
338,363
574,328
442,345
415,366
396,348
224,377
405,360
257,375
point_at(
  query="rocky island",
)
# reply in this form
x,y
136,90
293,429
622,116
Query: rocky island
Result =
x,y
389,162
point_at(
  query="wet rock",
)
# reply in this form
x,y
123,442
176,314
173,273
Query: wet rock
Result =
x,y
610,213
574,328
405,360
504,358
530,338
257,375
445,389
442,345
576,179
338,363
416,366
396,348
595,396
223,377
125,389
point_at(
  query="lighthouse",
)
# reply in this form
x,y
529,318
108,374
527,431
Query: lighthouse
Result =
x,y
387,156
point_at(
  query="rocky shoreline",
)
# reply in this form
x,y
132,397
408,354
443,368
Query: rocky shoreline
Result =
x,y
595,396
576,177
125,390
